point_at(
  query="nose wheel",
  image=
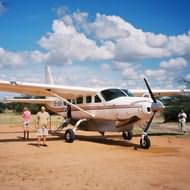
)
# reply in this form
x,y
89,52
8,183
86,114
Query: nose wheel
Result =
x,y
145,142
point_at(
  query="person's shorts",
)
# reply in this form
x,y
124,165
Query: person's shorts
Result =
x,y
42,131
26,124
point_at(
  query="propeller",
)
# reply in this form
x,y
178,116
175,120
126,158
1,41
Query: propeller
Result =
x,y
150,91
155,101
156,106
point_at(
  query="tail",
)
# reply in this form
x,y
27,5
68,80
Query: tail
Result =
x,y
48,75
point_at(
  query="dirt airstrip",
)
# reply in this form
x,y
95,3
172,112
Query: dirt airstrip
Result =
x,y
93,162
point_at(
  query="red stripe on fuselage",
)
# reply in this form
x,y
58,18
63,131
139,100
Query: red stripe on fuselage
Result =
x,y
87,108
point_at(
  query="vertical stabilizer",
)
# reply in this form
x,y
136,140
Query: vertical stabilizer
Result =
x,y
48,75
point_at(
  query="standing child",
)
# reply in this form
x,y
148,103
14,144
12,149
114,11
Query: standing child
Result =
x,y
26,117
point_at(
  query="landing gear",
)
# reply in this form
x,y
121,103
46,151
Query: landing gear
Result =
x,y
102,133
69,135
145,142
127,135
64,124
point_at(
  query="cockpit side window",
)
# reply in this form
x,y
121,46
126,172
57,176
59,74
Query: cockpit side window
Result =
x,y
97,99
111,94
128,92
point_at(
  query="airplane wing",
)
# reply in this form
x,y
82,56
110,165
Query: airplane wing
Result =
x,y
27,100
35,89
59,91
69,92
159,93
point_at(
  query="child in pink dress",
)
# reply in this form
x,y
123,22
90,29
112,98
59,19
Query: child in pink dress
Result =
x,y
26,117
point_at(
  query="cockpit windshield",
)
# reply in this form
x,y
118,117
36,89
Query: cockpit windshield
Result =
x,y
110,94
128,92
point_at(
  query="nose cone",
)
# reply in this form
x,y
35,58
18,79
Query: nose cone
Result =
x,y
157,106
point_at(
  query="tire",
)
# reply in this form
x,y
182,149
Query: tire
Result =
x,y
69,135
127,135
146,143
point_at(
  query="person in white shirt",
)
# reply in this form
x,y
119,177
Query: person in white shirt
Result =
x,y
182,116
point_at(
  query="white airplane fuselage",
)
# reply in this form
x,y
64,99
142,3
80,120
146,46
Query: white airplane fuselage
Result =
x,y
119,109
117,115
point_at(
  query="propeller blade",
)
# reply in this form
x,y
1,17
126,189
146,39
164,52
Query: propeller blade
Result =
x,y
149,122
150,91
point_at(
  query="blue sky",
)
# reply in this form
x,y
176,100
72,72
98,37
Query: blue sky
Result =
x,y
96,43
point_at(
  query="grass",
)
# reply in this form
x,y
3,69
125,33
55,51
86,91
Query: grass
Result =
x,y
15,119
12,118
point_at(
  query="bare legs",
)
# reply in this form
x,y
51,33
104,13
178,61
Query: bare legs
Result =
x,y
44,140
26,134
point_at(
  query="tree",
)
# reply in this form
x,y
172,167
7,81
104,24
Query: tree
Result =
x,y
174,106
2,107
18,107
187,83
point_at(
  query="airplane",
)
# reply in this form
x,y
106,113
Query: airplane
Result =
x,y
96,109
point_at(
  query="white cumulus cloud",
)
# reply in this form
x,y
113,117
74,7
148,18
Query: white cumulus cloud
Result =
x,y
128,70
187,77
111,41
38,57
8,58
155,73
158,40
110,27
174,64
105,66
66,43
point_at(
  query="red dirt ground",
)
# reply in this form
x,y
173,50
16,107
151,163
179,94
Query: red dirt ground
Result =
x,y
93,162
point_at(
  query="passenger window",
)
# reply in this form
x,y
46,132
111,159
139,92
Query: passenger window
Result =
x,y
97,99
79,100
88,99
73,101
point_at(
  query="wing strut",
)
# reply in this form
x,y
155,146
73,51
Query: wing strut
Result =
x,y
69,103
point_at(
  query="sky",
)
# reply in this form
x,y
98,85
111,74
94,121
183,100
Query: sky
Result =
x,y
96,43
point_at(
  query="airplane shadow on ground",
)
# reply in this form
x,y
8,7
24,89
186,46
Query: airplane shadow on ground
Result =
x,y
93,139
113,140
117,140
107,140
21,139
102,140
14,132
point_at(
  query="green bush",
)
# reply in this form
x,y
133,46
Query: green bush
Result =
x,y
174,106
2,107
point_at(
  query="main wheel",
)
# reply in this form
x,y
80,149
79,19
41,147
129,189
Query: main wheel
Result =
x,y
127,135
69,135
145,143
